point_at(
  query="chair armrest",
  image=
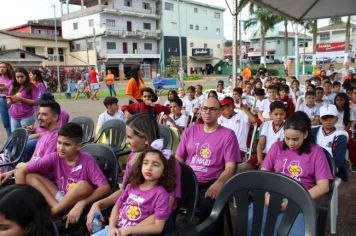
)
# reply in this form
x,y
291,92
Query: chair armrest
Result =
x,y
323,212
203,228
181,229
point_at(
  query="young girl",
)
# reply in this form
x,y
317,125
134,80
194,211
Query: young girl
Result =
x,y
22,100
345,116
299,158
6,77
36,78
172,94
141,130
146,195
295,92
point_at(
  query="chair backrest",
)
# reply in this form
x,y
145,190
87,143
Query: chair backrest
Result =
x,y
106,159
87,125
14,146
160,117
254,184
299,102
112,133
251,101
165,133
252,142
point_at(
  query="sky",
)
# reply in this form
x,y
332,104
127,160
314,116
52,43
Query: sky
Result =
x,y
17,12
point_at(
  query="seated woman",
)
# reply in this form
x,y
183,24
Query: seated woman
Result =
x,y
299,158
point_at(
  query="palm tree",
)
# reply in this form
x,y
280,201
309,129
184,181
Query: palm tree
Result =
x,y
312,25
266,19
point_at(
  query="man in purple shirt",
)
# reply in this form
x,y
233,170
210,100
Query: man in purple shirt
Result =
x,y
213,153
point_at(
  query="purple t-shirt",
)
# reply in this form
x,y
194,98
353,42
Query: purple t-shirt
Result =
x,y
19,110
176,192
41,87
63,119
135,205
207,153
7,82
66,176
306,168
46,144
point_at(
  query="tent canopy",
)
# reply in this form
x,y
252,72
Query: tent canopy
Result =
x,y
300,10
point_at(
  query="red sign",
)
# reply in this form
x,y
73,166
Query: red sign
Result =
x,y
322,47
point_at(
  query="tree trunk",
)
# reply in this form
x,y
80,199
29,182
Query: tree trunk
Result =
x,y
263,45
285,43
347,39
315,34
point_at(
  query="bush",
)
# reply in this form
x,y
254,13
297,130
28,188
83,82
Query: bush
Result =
x,y
193,77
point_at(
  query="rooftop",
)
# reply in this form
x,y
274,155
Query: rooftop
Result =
x,y
40,22
335,26
32,36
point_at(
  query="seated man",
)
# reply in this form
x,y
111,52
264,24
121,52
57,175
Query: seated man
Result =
x,y
79,179
213,152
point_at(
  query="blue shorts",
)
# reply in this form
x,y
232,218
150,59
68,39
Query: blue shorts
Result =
x,y
94,86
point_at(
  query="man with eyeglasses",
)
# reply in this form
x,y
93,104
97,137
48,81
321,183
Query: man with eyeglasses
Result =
x,y
213,153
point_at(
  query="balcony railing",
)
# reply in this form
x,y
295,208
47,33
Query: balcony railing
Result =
x,y
136,33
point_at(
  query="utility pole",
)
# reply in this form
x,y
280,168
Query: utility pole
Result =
x,y
296,47
57,52
234,39
181,71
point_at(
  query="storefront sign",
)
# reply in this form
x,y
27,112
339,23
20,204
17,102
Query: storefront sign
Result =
x,y
322,47
201,51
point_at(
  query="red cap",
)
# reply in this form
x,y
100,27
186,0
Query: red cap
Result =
x,y
226,101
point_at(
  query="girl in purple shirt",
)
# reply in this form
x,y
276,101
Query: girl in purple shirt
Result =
x,y
36,78
6,77
22,100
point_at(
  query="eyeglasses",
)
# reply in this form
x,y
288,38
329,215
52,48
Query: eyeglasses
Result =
x,y
206,109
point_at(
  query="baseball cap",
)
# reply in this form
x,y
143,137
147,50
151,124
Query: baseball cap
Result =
x,y
328,110
226,101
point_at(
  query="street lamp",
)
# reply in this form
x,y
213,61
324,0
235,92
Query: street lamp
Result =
x,y
57,52
181,71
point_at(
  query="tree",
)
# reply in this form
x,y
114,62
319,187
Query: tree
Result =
x,y
266,19
312,25
285,42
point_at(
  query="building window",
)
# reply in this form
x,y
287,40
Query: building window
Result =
x,y
110,45
148,46
169,6
75,25
124,48
127,3
90,45
174,25
147,26
216,15
191,44
77,46
293,43
324,36
197,27
206,28
40,31
146,6
91,22
278,41
50,51
218,46
218,31
191,27
110,22
205,45
195,10
30,49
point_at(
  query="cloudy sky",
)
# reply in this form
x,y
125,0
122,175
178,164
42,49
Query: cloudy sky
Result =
x,y
17,12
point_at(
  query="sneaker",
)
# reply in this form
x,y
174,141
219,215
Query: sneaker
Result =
x,y
353,167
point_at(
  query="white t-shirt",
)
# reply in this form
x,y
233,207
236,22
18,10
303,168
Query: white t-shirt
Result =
x,y
201,99
190,105
240,125
271,134
340,122
325,140
264,108
329,98
180,121
310,111
103,117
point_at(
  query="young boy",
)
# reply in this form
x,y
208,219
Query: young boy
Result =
x,y
237,96
190,103
238,120
112,112
331,139
270,132
176,119
287,101
263,109
336,87
260,96
310,108
79,180
319,93
328,93
199,94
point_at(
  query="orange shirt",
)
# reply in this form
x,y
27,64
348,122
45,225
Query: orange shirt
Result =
x,y
110,79
133,89
246,73
316,72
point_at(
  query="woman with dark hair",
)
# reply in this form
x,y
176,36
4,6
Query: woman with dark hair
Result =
x,y
36,79
135,84
24,212
6,77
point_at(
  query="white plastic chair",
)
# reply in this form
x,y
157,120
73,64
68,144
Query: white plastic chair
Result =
x,y
299,101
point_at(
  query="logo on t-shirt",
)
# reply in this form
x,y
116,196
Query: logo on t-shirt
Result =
x,y
295,170
205,151
133,212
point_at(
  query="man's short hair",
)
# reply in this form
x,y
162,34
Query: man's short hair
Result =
x,y
109,101
238,90
310,93
52,105
178,101
277,105
71,130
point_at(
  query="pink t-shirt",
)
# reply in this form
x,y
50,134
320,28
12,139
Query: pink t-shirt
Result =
x,y
66,176
176,192
207,153
41,87
46,144
19,110
63,119
7,82
306,168
135,205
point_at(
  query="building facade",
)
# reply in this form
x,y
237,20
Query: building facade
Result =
x,y
41,27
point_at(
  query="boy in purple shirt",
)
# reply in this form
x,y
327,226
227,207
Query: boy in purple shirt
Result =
x,y
79,180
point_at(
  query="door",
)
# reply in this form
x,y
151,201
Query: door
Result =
x,y
134,48
124,48
129,26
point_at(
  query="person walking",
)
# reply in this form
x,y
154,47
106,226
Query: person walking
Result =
x,y
94,85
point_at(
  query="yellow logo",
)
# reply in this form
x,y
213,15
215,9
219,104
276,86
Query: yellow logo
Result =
x,y
70,186
133,212
294,169
205,151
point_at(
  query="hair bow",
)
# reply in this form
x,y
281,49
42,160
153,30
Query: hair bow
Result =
x,y
158,145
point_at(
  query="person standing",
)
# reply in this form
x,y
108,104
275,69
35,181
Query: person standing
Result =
x,y
247,73
135,84
110,83
6,77
94,85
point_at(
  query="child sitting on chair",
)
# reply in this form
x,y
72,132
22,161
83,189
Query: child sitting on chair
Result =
x,y
112,112
79,179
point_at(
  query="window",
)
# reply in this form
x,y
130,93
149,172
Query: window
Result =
x,y
169,6
30,49
110,45
293,43
191,44
205,45
50,51
110,22
40,31
75,25
206,28
146,6
124,48
22,55
218,31
218,46
127,3
174,25
90,45
324,36
216,15
91,22
148,46
191,27
195,10
147,26
134,48
278,41
77,47
197,27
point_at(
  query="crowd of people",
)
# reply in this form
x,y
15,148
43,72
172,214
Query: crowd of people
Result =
x,y
298,125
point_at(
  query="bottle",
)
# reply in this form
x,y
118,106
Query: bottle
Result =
x,y
97,224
